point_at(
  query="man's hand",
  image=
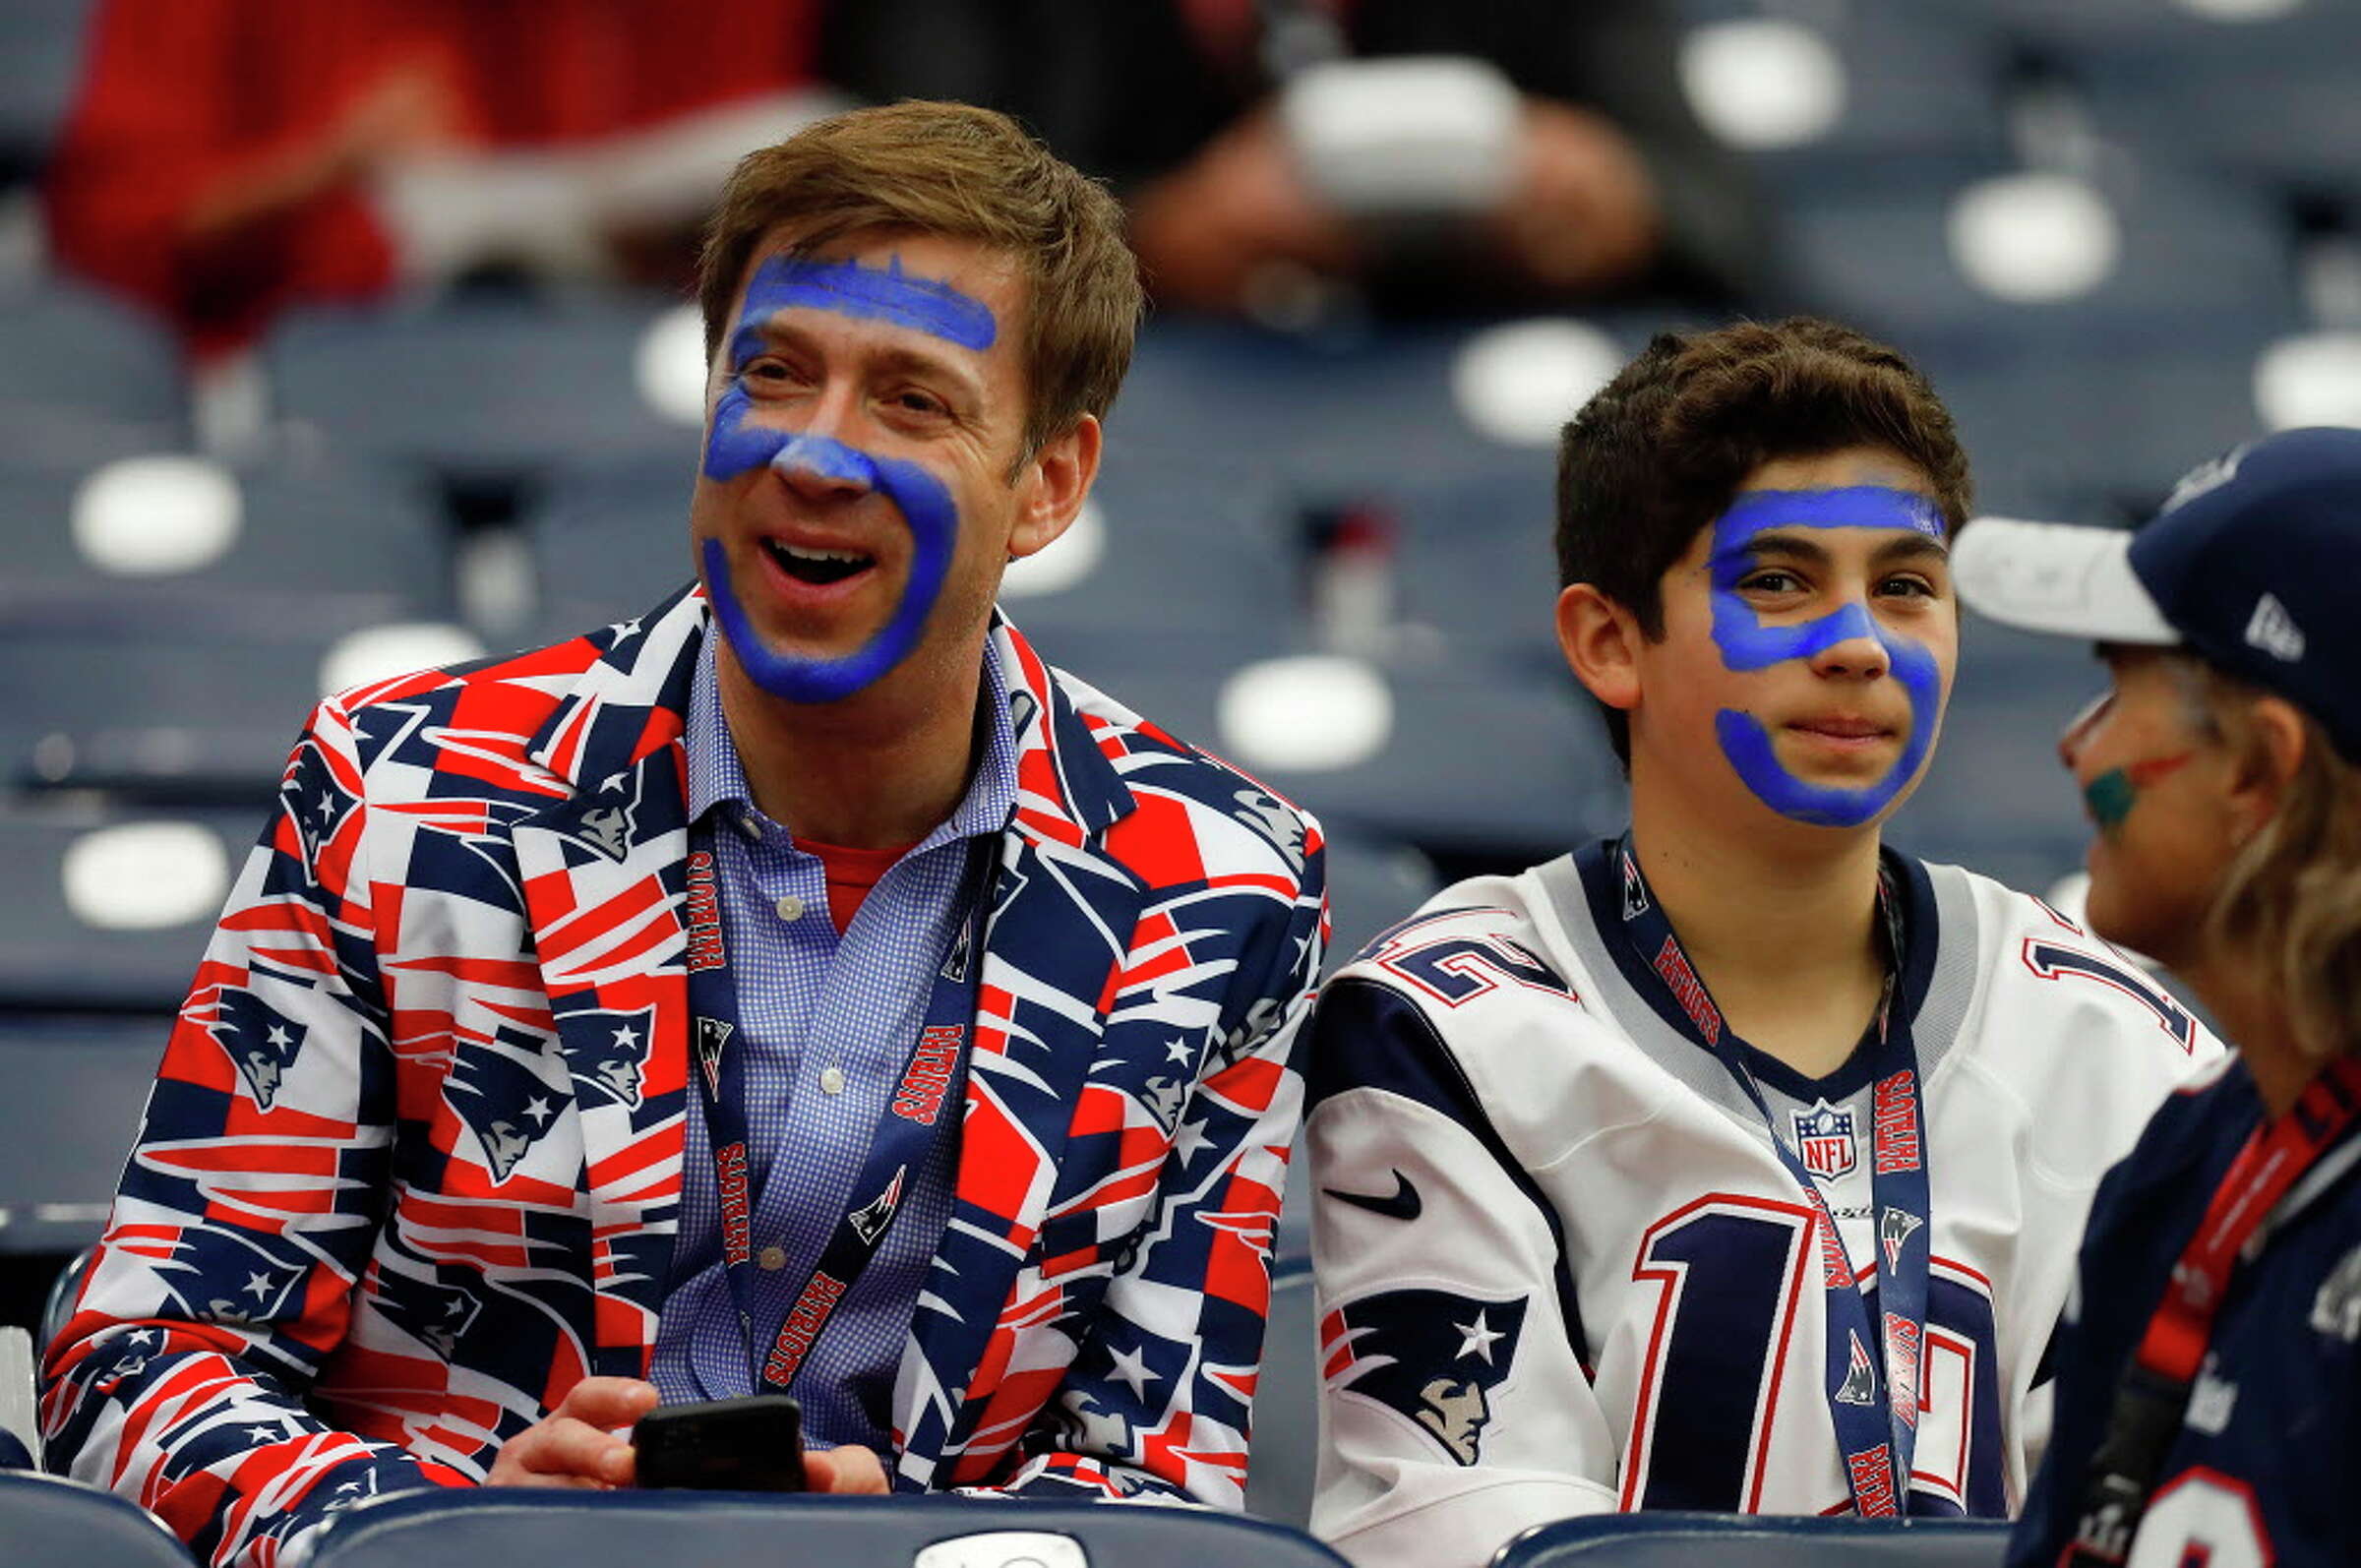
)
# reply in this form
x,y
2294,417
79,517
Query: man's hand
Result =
x,y
849,1472
575,1445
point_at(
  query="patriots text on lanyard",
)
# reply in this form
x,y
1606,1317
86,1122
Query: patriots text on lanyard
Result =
x,y
801,1327
928,1078
1687,989
705,951
1896,1121
729,1178
1872,1472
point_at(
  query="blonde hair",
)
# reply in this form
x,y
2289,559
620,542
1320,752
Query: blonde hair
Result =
x,y
965,173
2290,899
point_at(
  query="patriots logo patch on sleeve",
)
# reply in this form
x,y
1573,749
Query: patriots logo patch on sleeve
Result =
x,y
259,1040
618,1069
504,1102
1433,1357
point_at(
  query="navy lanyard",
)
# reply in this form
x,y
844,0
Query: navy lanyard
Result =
x,y
896,1149
1877,1431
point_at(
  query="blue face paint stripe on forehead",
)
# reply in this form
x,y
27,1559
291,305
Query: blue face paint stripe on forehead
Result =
x,y
1844,507
876,293
1747,644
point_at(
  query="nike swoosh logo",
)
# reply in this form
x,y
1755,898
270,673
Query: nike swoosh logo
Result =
x,y
1403,1205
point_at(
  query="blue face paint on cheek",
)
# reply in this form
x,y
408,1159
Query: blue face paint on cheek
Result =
x,y
734,449
1747,644
933,519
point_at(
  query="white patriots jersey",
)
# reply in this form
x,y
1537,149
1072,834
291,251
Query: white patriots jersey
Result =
x,y
1562,1270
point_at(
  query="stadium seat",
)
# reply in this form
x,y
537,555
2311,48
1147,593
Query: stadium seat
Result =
x,y
329,542
184,704
77,1086
1677,1541
44,1520
109,909
1372,884
499,1528
41,58
1474,760
1286,1444
477,387
1881,253
83,377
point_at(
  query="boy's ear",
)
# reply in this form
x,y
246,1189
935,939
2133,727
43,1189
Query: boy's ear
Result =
x,y
1600,640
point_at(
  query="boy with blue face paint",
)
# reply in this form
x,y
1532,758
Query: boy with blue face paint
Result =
x,y
799,987
1727,1147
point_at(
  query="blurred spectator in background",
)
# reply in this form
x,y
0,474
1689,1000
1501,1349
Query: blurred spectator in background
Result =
x,y
227,158
1422,151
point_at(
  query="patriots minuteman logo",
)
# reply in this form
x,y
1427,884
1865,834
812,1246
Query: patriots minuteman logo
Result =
x,y
1432,1355
1894,1228
262,1041
618,1067
1824,1139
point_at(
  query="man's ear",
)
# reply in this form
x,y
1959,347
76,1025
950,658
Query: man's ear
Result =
x,y
2268,768
1053,484
1600,640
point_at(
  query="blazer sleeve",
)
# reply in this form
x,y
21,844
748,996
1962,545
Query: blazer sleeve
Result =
x,y
1196,1276
249,1206
1456,1409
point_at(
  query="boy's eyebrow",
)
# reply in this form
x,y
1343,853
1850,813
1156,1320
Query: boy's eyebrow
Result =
x,y
1912,547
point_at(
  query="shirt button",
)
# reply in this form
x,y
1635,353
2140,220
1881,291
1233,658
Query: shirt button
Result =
x,y
746,825
831,1080
772,1258
788,907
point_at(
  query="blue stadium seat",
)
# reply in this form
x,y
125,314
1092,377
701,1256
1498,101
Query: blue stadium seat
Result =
x,y
499,1528
2097,420
1372,884
477,388
173,713
1877,251
76,1085
1919,85
1677,1541
1286,1443
333,542
83,377
110,909
1479,760
44,1520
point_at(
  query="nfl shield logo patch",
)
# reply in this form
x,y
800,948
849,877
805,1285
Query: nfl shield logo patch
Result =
x,y
1823,1137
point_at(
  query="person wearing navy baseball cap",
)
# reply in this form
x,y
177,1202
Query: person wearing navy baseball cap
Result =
x,y
2208,1387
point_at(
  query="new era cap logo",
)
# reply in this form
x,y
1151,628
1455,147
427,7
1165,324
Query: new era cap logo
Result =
x,y
2272,630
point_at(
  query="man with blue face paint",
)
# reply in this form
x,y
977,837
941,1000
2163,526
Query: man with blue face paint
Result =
x,y
1723,1145
799,987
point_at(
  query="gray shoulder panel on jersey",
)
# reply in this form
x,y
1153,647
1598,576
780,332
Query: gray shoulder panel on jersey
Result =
x,y
1959,967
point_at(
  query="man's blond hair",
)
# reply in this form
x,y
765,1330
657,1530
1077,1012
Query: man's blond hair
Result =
x,y
961,172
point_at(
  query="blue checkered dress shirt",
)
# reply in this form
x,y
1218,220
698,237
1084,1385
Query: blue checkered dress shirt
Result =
x,y
827,1025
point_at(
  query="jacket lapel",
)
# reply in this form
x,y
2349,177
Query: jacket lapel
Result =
x,y
1061,924
604,874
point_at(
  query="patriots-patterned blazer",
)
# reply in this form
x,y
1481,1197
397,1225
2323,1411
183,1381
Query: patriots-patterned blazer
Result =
x,y
412,1163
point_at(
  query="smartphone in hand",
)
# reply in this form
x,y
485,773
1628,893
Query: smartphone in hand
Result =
x,y
753,1444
